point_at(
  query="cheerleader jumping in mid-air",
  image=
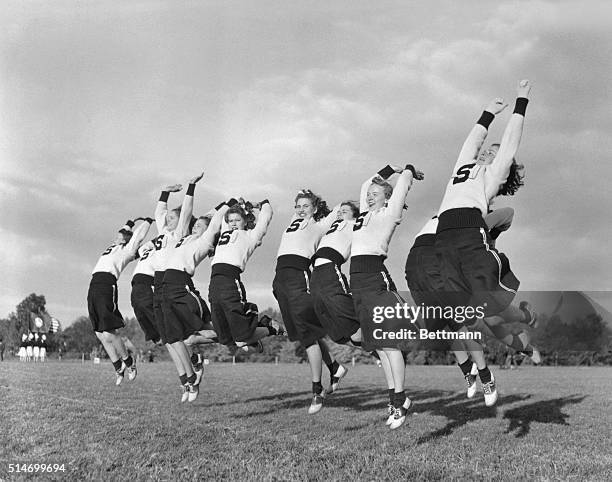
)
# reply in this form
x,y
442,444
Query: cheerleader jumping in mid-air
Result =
x,y
333,302
235,320
381,207
184,310
172,226
142,291
473,272
102,296
291,286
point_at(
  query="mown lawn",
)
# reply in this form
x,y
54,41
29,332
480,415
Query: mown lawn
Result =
x,y
250,423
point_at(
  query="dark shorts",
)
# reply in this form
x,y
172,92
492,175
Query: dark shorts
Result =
x,y
185,312
158,298
291,288
233,317
333,303
425,282
474,274
373,291
102,303
142,303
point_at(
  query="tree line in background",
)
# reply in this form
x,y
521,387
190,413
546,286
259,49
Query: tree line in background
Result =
x,y
586,341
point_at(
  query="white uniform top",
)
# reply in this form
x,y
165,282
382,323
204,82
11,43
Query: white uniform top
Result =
x,y
473,185
302,236
117,256
145,259
339,237
430,227
235,247
168,239
187,254
373,229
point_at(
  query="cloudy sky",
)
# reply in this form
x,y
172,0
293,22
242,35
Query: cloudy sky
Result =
x,y
103,102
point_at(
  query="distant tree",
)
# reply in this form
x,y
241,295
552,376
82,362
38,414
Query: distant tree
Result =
x,y
134,333
33,303
79,337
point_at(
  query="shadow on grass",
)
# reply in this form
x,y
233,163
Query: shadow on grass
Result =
x,y
546,411
459,411
449,404
358,399
267,398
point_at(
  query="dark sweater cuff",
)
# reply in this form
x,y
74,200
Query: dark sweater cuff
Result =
x,y
521,106
130,223
190,189
164,196
386,172
411,168
485,119
219,206
265,201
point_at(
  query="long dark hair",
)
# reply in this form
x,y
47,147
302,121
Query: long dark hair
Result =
x,y
321,209
514,180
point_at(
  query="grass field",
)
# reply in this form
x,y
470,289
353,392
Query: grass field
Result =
x,y
250,423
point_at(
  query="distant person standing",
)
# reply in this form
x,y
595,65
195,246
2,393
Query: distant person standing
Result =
x,y
36,348
29,347
1,350
43,348
22,348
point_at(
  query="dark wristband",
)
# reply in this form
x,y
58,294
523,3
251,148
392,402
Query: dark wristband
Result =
x,y
149,220
164,196
265,201
190,189
219,206
130,223
386,172
521,106
411,168
485,119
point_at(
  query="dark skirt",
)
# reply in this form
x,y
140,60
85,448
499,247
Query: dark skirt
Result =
x,y
184,310
102,303
333,302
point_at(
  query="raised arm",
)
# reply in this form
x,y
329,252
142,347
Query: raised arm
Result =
x,y
395,204
162,206
328,220
500,168
187,207
139,235
478,134
263,221
205,242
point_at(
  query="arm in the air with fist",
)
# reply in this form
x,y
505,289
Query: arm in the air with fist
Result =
x,y
478,134
187,206
140,233
162,206
396,203
500,168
